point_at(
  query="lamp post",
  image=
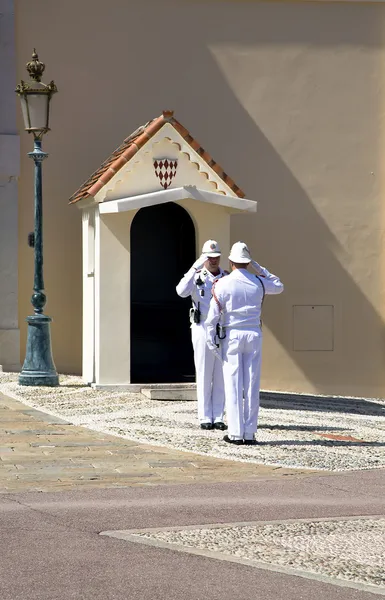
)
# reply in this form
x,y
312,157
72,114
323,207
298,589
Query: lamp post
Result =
x,y
35,97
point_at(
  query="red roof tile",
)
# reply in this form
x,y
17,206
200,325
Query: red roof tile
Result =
x,y
130,147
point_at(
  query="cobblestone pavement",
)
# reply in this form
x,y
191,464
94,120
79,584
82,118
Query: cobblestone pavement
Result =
x,y
344,550
42,452
331,436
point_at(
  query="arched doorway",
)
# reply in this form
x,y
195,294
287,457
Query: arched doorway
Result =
x,y
162,250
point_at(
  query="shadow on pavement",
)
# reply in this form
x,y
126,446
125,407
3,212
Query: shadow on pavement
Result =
x,y
338,443
303,428
322,404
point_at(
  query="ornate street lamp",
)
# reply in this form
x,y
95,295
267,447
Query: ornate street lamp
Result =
x,y
35,97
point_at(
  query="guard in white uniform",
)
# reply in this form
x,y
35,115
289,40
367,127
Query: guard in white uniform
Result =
x,y
236,302
197,283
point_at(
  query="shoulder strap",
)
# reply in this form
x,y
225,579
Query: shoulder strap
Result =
x,y
215,296
263,296
263,289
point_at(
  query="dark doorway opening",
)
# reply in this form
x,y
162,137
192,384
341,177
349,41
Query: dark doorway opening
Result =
x,y
162,250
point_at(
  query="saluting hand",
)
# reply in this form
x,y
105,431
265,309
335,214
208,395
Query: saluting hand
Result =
x,y
200,261
257,268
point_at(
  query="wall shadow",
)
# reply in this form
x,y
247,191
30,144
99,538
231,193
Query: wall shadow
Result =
x,y
160,55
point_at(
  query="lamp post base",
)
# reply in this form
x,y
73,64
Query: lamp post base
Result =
x,y
39,368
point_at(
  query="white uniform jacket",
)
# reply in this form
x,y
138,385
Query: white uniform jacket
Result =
x,y
198,284
237,300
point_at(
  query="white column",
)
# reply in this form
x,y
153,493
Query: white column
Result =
x,y
88,218
9,171
112,298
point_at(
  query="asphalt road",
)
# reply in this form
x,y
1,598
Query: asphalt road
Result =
x,y
51,548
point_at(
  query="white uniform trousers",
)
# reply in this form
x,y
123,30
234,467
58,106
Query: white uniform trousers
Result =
x,y
242,370
209,378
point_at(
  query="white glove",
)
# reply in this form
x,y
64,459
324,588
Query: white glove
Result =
x,y
215,350
200,262
258,269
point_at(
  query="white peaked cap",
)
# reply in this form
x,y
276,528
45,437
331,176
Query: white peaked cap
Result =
x,y
211,248
240,253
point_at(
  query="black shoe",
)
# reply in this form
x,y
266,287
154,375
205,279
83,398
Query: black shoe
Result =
x,y
207,426
220,425
229,441
250,442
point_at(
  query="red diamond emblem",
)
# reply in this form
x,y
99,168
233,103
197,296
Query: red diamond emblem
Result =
x,y
165,170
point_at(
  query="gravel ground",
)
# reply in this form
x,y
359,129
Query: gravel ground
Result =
x,y
351,550
337,440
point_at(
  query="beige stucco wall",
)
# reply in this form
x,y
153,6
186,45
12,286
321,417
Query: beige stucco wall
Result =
x,y
112,286
287,97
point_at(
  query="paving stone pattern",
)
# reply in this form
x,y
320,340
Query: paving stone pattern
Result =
x,y
40,452
351,550
323,434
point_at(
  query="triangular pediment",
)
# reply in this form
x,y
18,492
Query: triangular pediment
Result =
x,y
158,156
164,162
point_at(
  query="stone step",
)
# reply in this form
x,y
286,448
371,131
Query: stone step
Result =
x,y
169,386
138,387
171,393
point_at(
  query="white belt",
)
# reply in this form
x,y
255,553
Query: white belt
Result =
x,y
254,327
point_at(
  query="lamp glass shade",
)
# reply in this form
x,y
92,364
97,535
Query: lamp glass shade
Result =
x,y
36,111
24,110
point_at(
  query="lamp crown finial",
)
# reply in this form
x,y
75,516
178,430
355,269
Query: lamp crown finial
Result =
x,y
35,67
